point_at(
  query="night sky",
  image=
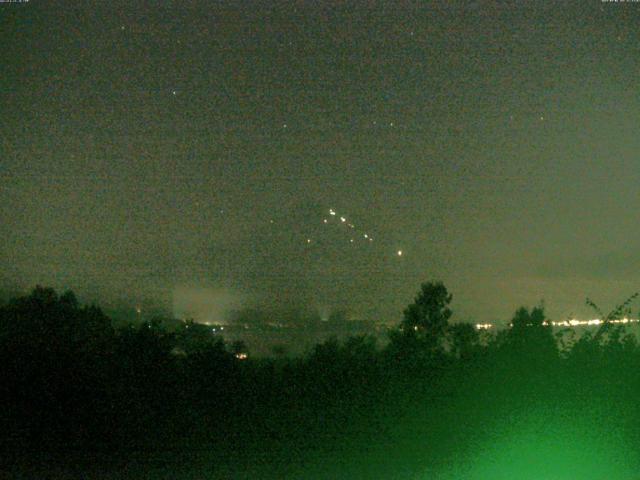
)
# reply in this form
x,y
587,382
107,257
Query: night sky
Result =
x,y
182,150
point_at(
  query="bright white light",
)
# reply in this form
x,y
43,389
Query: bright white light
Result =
x,y
399,253
332,212
342,219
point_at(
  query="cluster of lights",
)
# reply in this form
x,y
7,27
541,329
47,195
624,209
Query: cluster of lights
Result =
x,y
483,326
572,323
595,321
343,220
355,234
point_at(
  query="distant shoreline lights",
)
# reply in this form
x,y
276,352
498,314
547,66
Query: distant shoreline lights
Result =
x,y
571,323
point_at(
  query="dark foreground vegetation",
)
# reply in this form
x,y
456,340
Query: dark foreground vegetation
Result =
x,y
438,400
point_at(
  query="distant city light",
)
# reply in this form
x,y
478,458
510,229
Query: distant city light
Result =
x,y
483,326
596,321
572,323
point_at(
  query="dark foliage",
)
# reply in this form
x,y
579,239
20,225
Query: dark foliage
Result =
x,y
77,392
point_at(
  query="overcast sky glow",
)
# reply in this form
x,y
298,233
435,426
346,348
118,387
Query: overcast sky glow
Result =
x,y
144,149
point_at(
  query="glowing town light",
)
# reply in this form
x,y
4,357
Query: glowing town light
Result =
x,y
571,323
366,236
342,219
241,356
483,326
332,212
399,253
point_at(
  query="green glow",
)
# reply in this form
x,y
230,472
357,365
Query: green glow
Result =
x,y
542,448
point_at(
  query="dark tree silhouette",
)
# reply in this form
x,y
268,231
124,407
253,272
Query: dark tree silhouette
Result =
x,y
427,317
45,322
421,338
429,314
463,339
530,336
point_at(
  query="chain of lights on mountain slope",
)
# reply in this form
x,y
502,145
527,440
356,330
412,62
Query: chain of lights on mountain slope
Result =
x,y
334,217
356,234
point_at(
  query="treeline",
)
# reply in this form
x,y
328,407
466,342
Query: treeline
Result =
x,y
439,398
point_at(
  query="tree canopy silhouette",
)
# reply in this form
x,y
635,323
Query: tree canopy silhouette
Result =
x,y
530,337
422,332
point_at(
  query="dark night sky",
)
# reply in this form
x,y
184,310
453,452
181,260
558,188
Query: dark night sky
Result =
x,y
150,148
